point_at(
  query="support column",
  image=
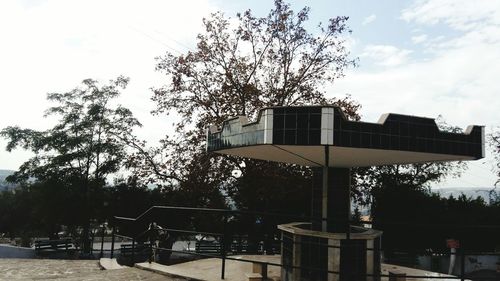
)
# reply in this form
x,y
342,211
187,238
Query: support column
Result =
x,y
297,256
331,200
324,191
333,259
338,201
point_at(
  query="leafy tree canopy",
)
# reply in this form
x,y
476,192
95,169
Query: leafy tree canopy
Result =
x,y
86,143
73,158
239,66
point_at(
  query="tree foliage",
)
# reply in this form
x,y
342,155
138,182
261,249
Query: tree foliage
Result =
x,y
239,66
257,62
74,158
87,142
416,221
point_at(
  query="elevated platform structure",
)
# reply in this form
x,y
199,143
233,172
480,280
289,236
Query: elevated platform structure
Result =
x,y
322,138
297,135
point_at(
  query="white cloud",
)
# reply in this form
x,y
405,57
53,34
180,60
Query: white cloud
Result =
x,y
459,79
386,55
459,14
369,19
460,86
419,38
476,21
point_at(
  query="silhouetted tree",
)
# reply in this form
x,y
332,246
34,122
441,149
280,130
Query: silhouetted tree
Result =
x,y
237,69
416,221
87,144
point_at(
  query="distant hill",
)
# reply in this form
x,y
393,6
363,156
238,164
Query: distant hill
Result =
x,y
473,192
4,185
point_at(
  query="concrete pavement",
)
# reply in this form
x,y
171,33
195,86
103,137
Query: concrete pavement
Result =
x,y
71,270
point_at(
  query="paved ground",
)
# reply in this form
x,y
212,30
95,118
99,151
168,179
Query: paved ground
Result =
x,y
70,270
210,269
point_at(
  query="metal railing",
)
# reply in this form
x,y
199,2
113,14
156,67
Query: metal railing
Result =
x,y
225,239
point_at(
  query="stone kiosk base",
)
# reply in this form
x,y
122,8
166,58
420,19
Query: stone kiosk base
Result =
x,y
311,255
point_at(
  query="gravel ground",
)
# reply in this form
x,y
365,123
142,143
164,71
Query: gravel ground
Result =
x,y
65,270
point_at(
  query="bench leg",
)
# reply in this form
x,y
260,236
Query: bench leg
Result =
x,y
260,268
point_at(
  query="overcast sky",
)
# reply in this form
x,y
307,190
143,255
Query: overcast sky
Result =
x,y
424,58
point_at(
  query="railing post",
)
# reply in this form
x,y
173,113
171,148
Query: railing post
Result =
x,y
112,242
223,248
462,265
92,236
152,255
133,251
102,242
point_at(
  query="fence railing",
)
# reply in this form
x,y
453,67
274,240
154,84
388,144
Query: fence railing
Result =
x,y
139,232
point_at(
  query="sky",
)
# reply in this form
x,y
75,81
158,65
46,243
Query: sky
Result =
x,y
422,57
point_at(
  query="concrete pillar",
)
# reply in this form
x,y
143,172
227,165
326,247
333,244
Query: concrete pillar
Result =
x,y
331,201
333,259
296,262
338,200
370,259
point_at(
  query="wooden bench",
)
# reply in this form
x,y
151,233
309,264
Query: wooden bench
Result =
x,y
260,268
238,247
208,247
54,246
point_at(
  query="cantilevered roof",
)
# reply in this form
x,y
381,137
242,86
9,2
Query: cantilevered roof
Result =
x,y
300,135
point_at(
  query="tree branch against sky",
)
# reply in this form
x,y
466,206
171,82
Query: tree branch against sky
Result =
x,y
86,141
239,66
243,64
83,148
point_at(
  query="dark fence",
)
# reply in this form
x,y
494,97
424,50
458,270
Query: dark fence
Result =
x,y
236,232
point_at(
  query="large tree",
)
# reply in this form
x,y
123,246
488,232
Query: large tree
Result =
x,y
87,144
239,66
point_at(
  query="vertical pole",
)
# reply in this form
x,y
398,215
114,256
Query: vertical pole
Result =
x,y
112,242
462,265
102,242
263,266
324,198
223,248
133,251
152,254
